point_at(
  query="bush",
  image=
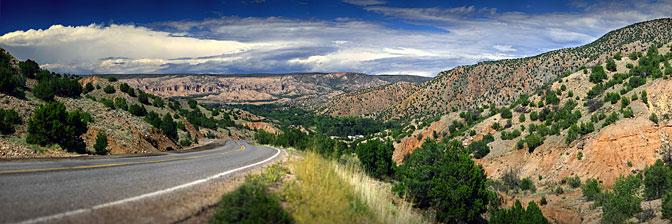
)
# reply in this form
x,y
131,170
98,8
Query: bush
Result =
x,y
625,101
533,141
597,74
108,103
518,214
552,99
573,182
521,118
506,113
137,110
153,119
131,92
250,204
657,180
611,65
479,148
158,102
376,158
8,119
543,201
559,190
101,144
667,205
645,100
445,178
44,91
636,81
120,103
51,123
112,79
88,87
124,87
11,83
591,189
109,89
654,118
192,103
29,68
169,127
527,184
511,179
617,56
142,97
620,204
185,142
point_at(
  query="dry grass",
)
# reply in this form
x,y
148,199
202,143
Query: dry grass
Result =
x,y
328,192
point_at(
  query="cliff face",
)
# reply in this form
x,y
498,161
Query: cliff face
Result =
x,y
300,89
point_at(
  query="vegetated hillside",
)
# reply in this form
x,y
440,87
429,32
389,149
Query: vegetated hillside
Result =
x,y
294,89
600,123
44,114
502,81
367,102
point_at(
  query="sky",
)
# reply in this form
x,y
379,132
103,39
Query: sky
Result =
x,y
421,37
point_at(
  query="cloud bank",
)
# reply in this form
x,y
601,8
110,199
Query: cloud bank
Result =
x,y
463,35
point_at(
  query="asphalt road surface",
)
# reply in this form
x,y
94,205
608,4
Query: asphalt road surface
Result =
x,y
33,192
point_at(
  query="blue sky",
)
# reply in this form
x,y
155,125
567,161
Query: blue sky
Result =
x,y
257,36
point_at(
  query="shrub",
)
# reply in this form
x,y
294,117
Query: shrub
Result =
x,y
625,101
657,180
137,110
667,205
534,116
633,56
654,118
559,190
124,87
445,178
376,158
645,100
521,118
192,103
29,68
142,97
158,102
112,79
527,184
597,74
131,92
505,113
579,155
51,123
44,91
472,132
8,119
552,99
108,103
629,66
620,204
518,214
636,81
591,189
250,203
120,103
109,89
169,127
543,201
617,56
11,83
533,141
101,144
185,142
611,65
511,179
154,119
573,182
479,148
88,87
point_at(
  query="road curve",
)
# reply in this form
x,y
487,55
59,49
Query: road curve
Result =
x,y
34,192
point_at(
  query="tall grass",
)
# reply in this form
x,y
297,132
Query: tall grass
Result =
x,y
328,192
377,195
321,196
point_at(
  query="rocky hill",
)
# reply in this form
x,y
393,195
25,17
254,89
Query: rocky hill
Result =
x,y
295,89
503,81
367,102
133,121
602,122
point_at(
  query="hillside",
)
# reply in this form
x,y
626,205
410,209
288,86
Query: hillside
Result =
x,y
294,89
501,82
367,102
601,123
129,118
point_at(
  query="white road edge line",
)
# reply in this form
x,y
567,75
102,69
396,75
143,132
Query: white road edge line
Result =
x,y
139,197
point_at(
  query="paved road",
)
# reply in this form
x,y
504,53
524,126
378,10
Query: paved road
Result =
x,y
33,192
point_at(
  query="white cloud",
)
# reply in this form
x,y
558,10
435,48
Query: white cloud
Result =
x,y
276,45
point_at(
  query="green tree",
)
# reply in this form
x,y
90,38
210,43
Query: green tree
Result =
x,y
444,177
654,118
169,127
137,110
506,113
621,203
109,89
88,87
251,203
142,97
376,158
29,68
158,102
667,205
597,74
112,79
645,100
124,87
51,123
552,99
533,141
8,120
618,56
479,148
611,65
11,83
120,103
192,103
518,214
591,189
657,180
101,144
44,91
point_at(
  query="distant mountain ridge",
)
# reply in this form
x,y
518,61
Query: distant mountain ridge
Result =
x,y
300,89
503,81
